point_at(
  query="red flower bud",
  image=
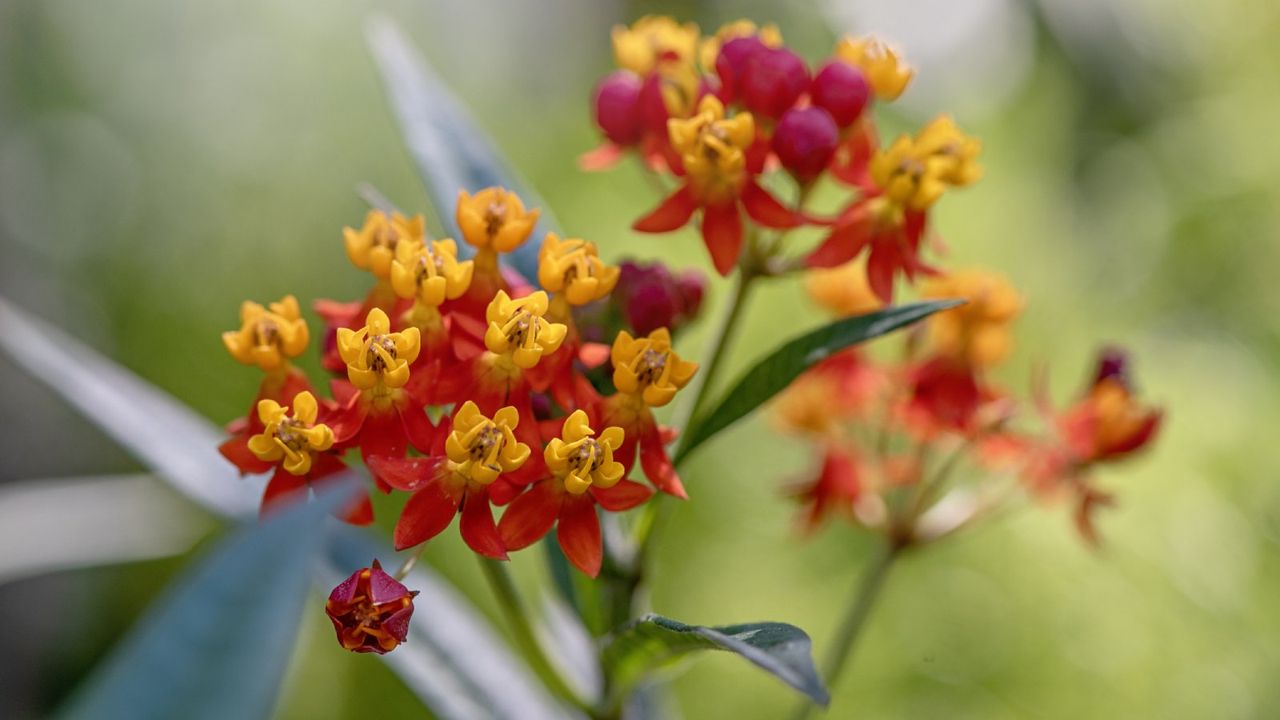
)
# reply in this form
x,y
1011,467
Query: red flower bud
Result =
x,y
842,90
1113,363
370,611
804,141
650,297
774,80
653,108
693,287
731,65
617,107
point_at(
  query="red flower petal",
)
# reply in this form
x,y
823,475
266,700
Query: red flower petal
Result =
x,y
408,474
844,243
530,516
359,511
428,512
881,267
623,496
672,214
657,466
237,451
722,233
579,534
478,529
417,427
283,489
766,210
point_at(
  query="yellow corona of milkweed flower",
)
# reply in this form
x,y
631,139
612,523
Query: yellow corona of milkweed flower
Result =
x,y
494,219
884,70
430,272
373,246
978,332
518,330
908,176
581,460
844,290
710,48
295,439
649,368
572,267
942,141
653,40
377,357
713,150
480,449
268,336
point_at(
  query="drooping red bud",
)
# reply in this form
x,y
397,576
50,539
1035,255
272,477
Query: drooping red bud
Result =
x,y
731,65
774,80
370,611
842,90
693,288
805,141
1113,363
617,107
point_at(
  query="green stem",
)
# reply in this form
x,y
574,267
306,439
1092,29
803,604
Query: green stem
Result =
x,y
864,600
719,344
504,590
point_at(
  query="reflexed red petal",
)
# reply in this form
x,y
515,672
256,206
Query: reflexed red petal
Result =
x,y
627,453
672,214
657,466
478,529
623,496
237,451
593,354
881,267
359,511
282,490
845,242
766,210
579,534
722,233
410,474
531,515
427,513
418,428
382,436
600,158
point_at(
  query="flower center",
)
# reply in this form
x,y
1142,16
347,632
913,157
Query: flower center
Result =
x,y
381,351
494,216
588,457
650,365
285,434
266,332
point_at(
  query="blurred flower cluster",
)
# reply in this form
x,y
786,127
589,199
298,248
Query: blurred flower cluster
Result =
x,y
926,444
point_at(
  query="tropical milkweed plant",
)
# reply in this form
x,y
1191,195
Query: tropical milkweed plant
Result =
x,y
509,379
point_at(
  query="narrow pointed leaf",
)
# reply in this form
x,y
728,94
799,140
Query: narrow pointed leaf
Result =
x,y
782,650
162,433
449,149
771,375
217,645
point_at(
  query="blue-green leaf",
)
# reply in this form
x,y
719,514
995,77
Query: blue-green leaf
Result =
x,y
216,646
168,437
774,373
451,152
782,650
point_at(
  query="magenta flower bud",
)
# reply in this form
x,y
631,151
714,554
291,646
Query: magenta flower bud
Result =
x,y
1113,363
774,80
804,142
842,90
617,107
731,65
693,287
370,611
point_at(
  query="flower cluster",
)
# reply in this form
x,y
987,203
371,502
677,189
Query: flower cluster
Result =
x,y
464,387
718,113
893,436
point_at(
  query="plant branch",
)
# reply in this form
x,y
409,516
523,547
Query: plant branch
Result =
x,y
864,599
517,616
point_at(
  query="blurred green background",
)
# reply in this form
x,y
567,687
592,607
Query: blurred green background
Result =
x,y
161,161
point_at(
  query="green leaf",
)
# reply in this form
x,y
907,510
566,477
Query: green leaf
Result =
x,y
452,660
782,650
451,152
168,437
771,375
217,645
